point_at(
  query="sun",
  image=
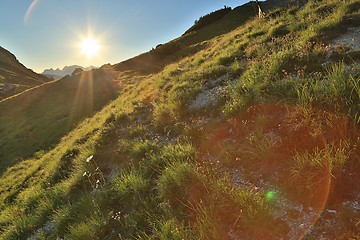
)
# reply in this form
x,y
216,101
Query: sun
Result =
x,y
90,47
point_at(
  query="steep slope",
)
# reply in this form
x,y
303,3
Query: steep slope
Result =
x,y
15,77
255,136
188,44
37,118
192,42
208,19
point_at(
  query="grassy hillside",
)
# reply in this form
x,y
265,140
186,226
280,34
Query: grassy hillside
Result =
x,y
36,119
188,44
208,19
253,136
15,77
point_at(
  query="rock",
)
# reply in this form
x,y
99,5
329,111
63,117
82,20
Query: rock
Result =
x,y
349,39
76,71
207,98
331,211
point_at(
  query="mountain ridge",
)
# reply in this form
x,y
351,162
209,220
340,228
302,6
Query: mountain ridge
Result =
x,y
15,77
67,70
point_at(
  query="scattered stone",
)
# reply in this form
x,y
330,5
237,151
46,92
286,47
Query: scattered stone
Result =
x,y
6,88
47,228
207,98
355,204
331,211
350,39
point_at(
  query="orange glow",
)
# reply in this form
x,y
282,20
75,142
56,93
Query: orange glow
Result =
x,y
232,144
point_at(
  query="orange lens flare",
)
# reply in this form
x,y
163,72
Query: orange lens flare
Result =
x,y
261,142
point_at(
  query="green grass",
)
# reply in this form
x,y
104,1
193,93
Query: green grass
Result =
x,y
37,119
326,159
144,166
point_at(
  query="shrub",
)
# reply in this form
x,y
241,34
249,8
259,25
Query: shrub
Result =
x,y
142,148
173,230
130,189
279,31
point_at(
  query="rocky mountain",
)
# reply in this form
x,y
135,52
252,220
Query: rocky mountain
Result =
x,y
67,70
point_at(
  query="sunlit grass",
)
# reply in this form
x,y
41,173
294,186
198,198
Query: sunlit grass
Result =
x,y
326,159
136,168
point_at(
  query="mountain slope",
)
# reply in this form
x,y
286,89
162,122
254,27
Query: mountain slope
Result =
x,y
187,44
15,77
255,136
37,118
192,42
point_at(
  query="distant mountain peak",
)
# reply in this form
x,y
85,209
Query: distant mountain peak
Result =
x,y
67,70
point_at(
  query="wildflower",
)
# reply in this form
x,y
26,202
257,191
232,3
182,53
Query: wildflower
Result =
x,y
89,158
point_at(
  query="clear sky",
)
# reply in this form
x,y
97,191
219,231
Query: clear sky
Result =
x,y
49,33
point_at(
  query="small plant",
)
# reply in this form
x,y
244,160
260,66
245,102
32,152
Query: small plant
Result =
x,y
131,186
138,131
174,186
223,210
174,230
260,145
140,149
327,159
86,229
94,175
163,115
239,97
62,217
237,67
227,60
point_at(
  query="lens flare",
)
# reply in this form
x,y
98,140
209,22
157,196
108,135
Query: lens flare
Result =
x,y
30,9
270,195
232,143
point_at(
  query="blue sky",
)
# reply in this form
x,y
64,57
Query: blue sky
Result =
x,y
50,33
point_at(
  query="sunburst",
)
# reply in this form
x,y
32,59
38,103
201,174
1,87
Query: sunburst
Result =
x,y
90,47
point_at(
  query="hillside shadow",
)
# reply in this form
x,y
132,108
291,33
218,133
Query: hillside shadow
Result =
x,y
37,119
